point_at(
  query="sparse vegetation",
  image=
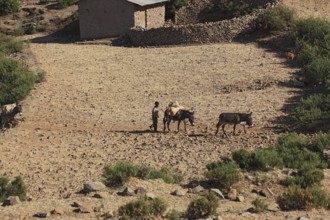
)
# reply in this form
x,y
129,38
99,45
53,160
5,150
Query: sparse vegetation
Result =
x,y
66,3
233,8
8,45
297,198
173,215
8,7
16,81
14,188
276,19
312,40
260,159
259,205
121,172
306,176
143,208
223,174
203,206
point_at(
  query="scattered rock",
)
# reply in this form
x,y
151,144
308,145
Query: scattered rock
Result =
x,y
232,195
101,195
150,195
42,215
11,200
217,192
57,211
86,207
93,186
196,189
266,192
127,192
240,198
302,218
179,192
140,191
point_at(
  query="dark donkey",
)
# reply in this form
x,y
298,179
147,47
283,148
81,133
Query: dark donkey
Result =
x,y
233,118
179,116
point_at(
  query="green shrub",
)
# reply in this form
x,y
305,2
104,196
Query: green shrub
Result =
x,y
297,198
15,188
164,173
233,8
66,3
173,215
16,81
295,158
203,207
8,7
319,70
291,140
314,31
224,174
121,172
9,45
259,205
277,18
40,77
143,208
320,142
260,159
306,176
313,109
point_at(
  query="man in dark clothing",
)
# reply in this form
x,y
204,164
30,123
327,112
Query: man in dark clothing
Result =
x,y
155,116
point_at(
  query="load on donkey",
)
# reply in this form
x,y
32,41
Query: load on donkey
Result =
x,y
176,112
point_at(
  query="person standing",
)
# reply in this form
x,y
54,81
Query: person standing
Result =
x,y
155,116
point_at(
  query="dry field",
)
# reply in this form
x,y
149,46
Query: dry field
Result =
x,y
95,109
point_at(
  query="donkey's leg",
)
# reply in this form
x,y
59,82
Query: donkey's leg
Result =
x,y
223,129
185,125
179,125
168,124
234,129
244,128
218,125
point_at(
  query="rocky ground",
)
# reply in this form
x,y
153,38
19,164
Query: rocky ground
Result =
x,y
94,108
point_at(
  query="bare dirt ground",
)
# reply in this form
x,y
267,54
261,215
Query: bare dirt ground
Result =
x,y
95,107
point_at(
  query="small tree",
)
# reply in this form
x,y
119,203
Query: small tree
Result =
x,y
8,7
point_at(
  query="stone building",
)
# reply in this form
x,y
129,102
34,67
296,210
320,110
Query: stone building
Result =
x,y
109,18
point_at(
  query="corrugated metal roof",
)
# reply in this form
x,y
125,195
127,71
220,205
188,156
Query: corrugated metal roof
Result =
x,y
146,2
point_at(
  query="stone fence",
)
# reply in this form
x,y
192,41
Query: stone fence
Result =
x,y
212,32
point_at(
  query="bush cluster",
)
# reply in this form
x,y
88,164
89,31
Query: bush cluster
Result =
x,y
143,208
223,174
8,6
14,188
202,207
259,205
119,173
277,19
306,176
233,8
297,198
66,3
260,159
312,40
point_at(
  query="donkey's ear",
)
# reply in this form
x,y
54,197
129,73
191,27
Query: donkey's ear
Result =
x,y
250,113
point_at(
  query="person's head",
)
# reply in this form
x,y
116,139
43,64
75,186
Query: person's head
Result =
x,y
156,103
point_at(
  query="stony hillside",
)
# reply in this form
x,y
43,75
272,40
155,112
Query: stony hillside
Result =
x,y
94,109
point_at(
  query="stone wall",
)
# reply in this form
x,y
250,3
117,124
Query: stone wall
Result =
x,y
221,31
155,16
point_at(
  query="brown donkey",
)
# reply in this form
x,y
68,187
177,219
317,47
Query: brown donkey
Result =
x,y
233,118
